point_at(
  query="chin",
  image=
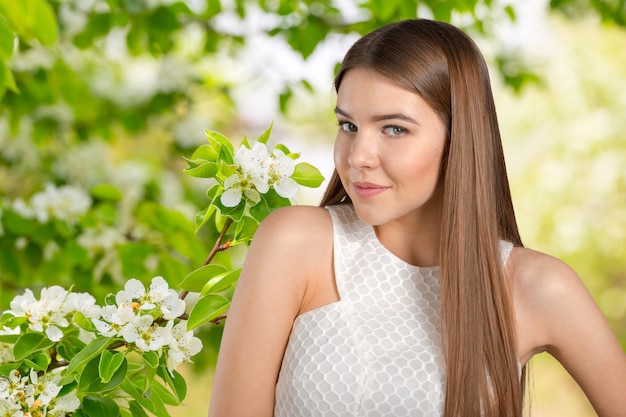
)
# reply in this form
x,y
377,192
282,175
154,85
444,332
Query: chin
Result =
x,y
371,216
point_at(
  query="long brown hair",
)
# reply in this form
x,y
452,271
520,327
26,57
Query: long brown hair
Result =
x,y
444,66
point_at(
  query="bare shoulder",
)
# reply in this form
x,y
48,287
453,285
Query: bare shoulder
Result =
x,y
556,313
544,290
538,275
292,243
298,222
286,252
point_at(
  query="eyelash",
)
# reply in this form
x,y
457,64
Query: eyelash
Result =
x,y
399,131
347,126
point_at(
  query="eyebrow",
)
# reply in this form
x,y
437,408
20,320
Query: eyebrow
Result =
x,y
381,117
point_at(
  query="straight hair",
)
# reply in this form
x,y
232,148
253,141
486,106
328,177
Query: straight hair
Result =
x,y
444,66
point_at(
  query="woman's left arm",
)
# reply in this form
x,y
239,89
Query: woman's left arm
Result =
x,y
578,335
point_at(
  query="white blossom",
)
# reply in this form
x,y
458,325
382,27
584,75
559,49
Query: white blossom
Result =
x,y
65,203
6,352
107,327
100,239
159,295
22,208
280,168
34,395
134,328
50,313
147,335
256,171
182,346
166,298
62,406
250,178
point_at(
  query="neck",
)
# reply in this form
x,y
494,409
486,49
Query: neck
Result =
x,y
415,241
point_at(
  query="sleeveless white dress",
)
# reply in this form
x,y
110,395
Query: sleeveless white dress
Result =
x,y
377,351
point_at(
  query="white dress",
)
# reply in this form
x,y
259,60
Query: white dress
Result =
x,y
377,351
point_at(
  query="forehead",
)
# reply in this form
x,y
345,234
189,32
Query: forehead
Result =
x,y
368,92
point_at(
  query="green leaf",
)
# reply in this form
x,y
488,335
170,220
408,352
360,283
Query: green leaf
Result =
x,y
9,320
384,9
69,347
206,309
151,359
286,151
265,136
284,98
261,210
197,279
6,368
93,349
9,338
133,258
175,381
84,323
206,152
150,403
226,150
221,282
6,41
510,12
136,410
202,217
30,343
204,170
91,383
235,213
100,407
270,201
106,192
67,388
45,25
109,364
246,229
17,224
38,362
307,175
164,394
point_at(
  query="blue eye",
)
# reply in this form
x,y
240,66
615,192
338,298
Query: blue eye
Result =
x,y
394,131
347,127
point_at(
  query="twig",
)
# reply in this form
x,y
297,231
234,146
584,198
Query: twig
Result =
x,y
218,247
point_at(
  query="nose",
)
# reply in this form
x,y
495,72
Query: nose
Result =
x,y
364,151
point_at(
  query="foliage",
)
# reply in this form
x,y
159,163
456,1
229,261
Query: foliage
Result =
x,y
65,354
99,99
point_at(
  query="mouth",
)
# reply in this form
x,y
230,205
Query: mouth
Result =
x,y
367,189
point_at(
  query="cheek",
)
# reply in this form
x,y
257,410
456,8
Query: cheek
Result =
x,y
418,167
340,154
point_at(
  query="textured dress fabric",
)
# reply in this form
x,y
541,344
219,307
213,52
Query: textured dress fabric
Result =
x,y
377,351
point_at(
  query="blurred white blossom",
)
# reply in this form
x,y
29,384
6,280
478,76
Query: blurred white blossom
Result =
x,y
100,239
66,203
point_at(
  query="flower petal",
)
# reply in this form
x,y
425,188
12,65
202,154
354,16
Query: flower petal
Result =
x,y
231,197
287,188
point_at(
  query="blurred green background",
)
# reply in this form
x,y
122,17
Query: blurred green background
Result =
x,y
107,96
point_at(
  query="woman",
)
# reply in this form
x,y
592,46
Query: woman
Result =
x,y
408,292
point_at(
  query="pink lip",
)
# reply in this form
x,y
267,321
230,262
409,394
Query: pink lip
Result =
x,y
367,189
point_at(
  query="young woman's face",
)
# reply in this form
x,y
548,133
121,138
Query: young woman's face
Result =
x,y
388,149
